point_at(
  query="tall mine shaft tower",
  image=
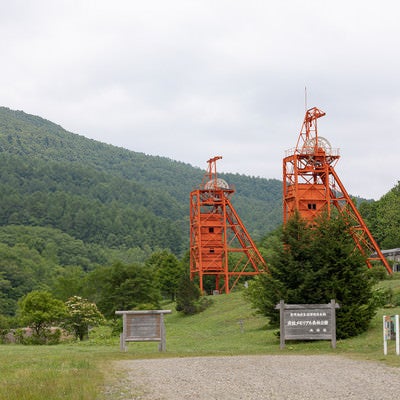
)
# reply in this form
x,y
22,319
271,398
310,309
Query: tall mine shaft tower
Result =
x,y
311,186
220,245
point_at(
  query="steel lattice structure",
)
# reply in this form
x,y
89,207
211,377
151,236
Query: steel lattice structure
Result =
x,y
220,245
311,186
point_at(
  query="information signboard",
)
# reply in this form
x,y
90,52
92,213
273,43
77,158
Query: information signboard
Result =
x,y
307,322
143,326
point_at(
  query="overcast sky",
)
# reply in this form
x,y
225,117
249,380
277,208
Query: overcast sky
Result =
x,y
190,80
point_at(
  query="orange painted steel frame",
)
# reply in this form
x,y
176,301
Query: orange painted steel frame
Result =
x,y
311,186
216,233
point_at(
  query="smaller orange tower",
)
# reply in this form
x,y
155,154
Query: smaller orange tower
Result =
x,y
311,186
220,245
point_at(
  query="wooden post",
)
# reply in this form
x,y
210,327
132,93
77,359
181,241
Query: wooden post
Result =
x,y
123,334
163,344
333,323
282,324
385,335
397,329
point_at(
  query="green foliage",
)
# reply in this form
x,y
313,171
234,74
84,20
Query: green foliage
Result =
x,y
70,282
383,218
168,272
48,336
81,314
21,271
40,311
312,265
5,325
91,206
379,273
123,287
258,202
36,258
54,246
188,297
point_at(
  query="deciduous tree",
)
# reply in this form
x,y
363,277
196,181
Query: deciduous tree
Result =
x,y
40,310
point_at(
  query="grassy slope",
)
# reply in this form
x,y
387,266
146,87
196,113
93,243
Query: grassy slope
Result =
x,y
228,327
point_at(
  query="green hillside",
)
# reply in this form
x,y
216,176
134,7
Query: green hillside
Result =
x,y
42,164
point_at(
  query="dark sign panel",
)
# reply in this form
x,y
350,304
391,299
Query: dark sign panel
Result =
x,y
308,322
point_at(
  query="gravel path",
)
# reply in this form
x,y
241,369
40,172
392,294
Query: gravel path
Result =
x,y
255,377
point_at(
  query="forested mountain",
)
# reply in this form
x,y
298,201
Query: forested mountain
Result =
x,y
108,195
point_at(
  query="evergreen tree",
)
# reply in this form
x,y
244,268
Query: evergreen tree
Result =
x,y
188,296
168,271
312,265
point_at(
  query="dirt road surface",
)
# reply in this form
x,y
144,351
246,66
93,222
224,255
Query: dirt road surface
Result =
x,y
254,378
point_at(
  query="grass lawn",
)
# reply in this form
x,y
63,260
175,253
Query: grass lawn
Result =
x,y
229,327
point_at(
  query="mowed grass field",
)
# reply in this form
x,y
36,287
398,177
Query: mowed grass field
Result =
x,y
229,327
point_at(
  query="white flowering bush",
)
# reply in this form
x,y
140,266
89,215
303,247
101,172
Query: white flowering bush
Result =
x,y
81,314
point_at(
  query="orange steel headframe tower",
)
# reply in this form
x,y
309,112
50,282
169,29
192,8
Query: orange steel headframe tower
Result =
x,y
219,243
311,186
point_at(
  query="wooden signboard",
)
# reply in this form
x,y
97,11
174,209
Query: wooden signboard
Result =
x,y
143,326
307,322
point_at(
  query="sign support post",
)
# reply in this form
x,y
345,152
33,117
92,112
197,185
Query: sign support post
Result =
x,y
397,335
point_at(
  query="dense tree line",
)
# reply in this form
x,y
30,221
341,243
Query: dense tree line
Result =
x,y
91,206
33,258
383,218
111,283
32,136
